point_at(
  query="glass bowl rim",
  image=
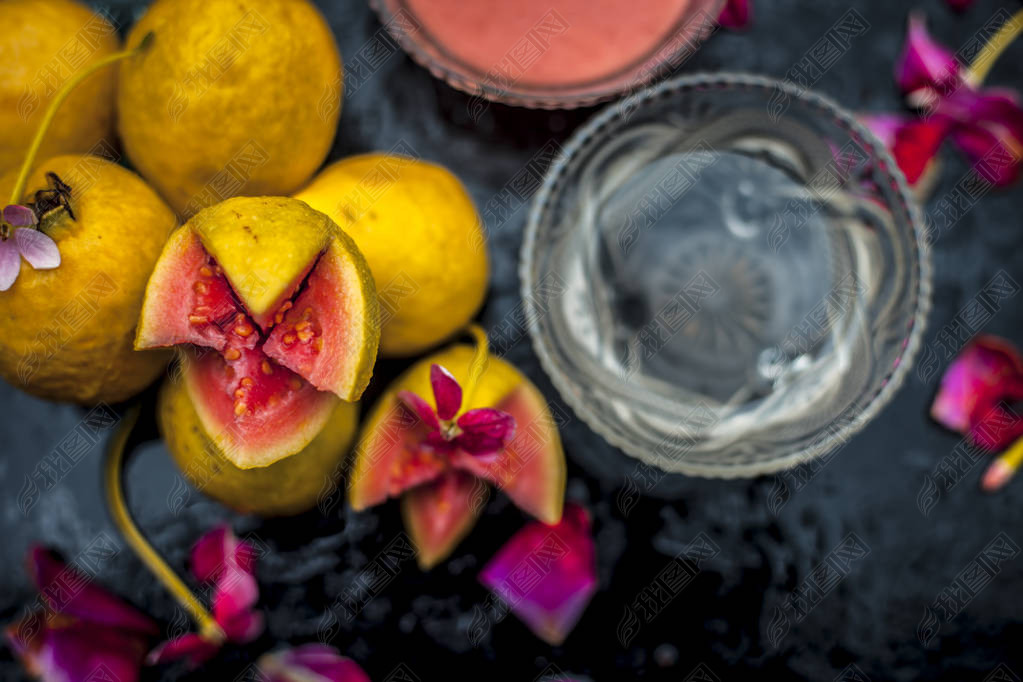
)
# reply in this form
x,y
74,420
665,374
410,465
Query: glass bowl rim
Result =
x,y
586,94
896,375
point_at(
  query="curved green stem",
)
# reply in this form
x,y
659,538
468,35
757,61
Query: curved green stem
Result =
x,y
58,99
987,56
479,362
113,469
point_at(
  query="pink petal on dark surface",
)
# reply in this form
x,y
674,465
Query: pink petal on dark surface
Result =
x,y
420,408
924,63
312,662
72,593
959,5
986,373
210,553
736,14
914,143
446,392
989,130
546,574
189,646
485,430
10,263
17,215
85,653
38,249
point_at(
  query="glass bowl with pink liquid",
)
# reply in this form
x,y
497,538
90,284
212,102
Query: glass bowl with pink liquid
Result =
x,y
552,54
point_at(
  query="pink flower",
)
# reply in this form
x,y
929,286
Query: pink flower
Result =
x,y
987,125
311,662
25,242
219,558
983,378
81,632
480,432
563,556
736,14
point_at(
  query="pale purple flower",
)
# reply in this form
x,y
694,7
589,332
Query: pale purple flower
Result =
x,y
24,241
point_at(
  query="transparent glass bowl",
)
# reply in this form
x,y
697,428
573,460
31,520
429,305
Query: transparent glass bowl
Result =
x,y
725,275
508,81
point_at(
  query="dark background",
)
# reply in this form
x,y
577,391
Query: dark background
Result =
x,y
771,531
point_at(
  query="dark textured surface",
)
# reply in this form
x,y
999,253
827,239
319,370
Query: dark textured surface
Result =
x,y
727,618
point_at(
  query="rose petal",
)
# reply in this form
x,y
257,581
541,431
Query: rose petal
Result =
x,y
235,594
989,130
209,555
959,5
190,645
914,143
85,652
446,392
10,263
437,515
38,249
485,430
243,627
735,14
310,661
969,399
420,408
16,215
68,591
924,63
561,561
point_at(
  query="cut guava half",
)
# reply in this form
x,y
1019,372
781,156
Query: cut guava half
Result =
x,y
269,351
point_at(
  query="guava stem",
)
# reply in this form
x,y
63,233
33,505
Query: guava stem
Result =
x,y
58,99
479,361
113,469
988,54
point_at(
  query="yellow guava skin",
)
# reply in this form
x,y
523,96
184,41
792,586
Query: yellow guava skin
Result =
x,y
288,486
47,42
419,230
67,334
232,97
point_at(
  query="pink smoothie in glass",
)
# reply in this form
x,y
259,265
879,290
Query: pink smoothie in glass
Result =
x,y
583,40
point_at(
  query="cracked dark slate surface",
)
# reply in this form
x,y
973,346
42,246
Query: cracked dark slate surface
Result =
x,y
724,618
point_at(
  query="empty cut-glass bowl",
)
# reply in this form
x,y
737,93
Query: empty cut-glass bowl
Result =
x,y
725,275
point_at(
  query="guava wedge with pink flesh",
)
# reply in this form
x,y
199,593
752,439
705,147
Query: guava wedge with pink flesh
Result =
x,y
439,514
256,411
277,311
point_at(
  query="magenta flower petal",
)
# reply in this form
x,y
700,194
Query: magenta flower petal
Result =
x,y
38,249
221,558
989,130
10,263
84,652
189,646
71,593
735,14
546,574
446,392
914,143
959,5
420,408
485,430
16,215
988,372
310,662
924,63
82,632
